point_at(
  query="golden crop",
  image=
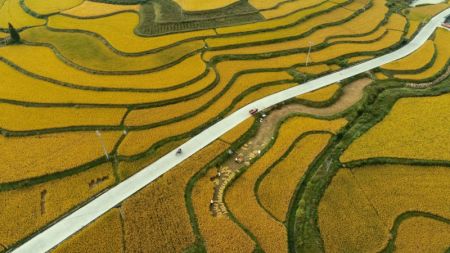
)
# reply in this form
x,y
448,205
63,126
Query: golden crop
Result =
x,y
139,141
396,22
394,189
42,61
279,62
129,168
360,206
12,12
260,93
50,153
443,54
44,7
241,199
335,67
289,8
434,235
359,58
284,32
413,26
322,94
314,69
288,174
118,30
264,4
418,59
156,218
335,51
90,9
268,24
375,35
220,233
316,38
16,86
235,133
347,220
157,114
199,5
361,24
102,235
317,56
26,210
19,118
90,52
381,76
423,13
415,128
226,70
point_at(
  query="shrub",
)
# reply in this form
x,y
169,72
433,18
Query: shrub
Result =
x,y
15,37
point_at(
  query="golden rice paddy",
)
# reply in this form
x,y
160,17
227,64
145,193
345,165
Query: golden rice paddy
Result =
x,y
398,134
84,67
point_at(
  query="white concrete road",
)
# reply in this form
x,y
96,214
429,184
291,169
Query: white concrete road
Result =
x,y
73,222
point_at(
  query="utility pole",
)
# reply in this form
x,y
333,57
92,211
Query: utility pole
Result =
x,y
309,52
100,139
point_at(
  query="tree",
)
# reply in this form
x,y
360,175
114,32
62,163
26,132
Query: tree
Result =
x,y
15,37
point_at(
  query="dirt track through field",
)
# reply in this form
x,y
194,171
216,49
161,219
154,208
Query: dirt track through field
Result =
x,y
351,94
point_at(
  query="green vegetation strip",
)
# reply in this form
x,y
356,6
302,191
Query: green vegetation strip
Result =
x,y
395,160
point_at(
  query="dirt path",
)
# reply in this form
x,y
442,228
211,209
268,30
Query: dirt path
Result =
x,y
429,84
352,93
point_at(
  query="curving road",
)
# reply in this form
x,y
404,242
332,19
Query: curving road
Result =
x,y
70,224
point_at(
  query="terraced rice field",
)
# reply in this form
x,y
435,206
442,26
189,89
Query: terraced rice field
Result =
x,y
435,234
422,13
243,201
415,61
288,173
380,193
88,99
109,227
397,136
196,5
424,64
